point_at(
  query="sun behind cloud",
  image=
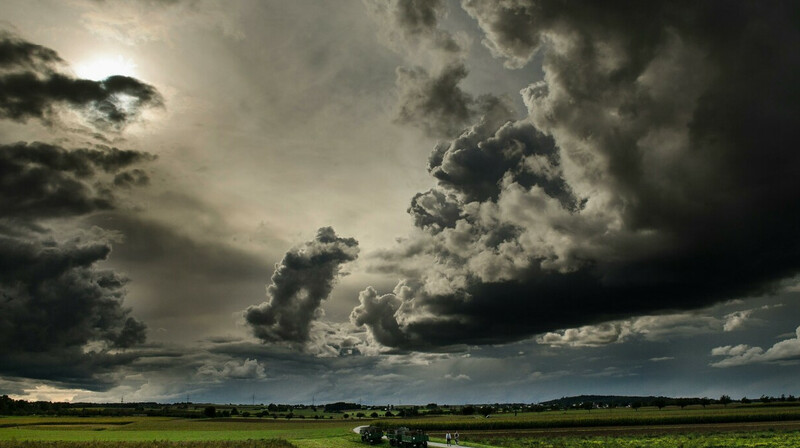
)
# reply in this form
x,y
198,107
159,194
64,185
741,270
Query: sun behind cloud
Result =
x,y
101,67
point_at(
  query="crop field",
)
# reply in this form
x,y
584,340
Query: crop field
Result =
x,y
765,439
605,417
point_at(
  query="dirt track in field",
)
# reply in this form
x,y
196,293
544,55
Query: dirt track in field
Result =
x,y
634,430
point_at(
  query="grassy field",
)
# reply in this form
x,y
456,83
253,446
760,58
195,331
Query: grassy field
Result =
x,y
148,429
497,431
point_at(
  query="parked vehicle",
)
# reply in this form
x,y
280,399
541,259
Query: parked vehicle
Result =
x,y
406,438
371,434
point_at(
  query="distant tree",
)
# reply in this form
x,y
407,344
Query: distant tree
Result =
x,y
587,405
234,411
660,403
705,401
272,407
636,405
431,405
468,410
245,414
724,400
745,400
388,414
210,411
791,398
374,415
360,415
346,416
226,413
289,416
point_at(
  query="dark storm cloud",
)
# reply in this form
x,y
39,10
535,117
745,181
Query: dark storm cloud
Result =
x,y
55,303
301,281
16,53
61,316
32,86
42,181
655,172
437,105
435,209
474,164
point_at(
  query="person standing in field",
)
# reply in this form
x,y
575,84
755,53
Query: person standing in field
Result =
x,y
448,438
455,437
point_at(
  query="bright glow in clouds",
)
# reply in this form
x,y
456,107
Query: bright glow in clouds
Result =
x,y
48,393
102,67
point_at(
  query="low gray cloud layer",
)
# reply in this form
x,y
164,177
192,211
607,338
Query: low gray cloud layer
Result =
x,y
302,280
651,174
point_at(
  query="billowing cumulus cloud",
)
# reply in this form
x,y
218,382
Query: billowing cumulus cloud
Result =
x,y
302,280
429,94
248,369
786,351
652,173
34,84
57,305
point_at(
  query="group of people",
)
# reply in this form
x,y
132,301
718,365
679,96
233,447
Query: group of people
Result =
x,y
451,438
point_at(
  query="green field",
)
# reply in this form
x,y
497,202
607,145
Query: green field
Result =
x,y
580,428
307,433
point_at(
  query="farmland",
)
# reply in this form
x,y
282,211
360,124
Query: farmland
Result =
x,y
621,427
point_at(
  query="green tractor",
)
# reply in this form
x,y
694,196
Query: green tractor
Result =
x,y
406,438
371,434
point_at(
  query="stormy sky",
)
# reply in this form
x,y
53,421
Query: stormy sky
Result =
x,y
398,200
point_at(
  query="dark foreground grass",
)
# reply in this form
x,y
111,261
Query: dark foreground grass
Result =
x,y
771,439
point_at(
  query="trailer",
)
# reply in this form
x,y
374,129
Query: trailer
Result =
x,y
407,438
371,434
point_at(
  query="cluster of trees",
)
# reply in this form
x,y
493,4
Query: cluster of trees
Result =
x,y
662,402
